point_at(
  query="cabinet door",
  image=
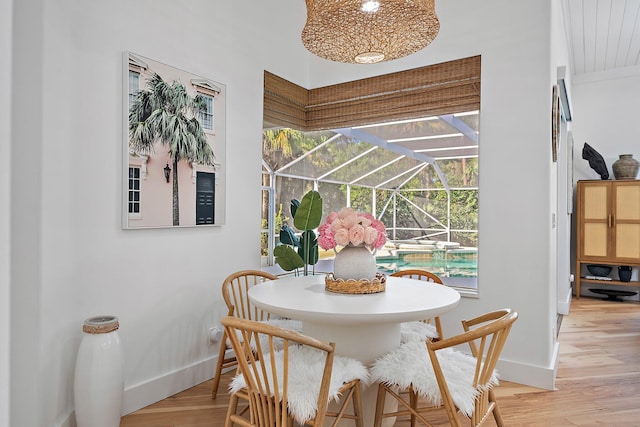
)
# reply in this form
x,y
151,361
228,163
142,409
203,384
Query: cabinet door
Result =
x,y
627,220
595,219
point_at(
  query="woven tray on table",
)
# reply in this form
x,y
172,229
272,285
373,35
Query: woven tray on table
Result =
x,y
352,286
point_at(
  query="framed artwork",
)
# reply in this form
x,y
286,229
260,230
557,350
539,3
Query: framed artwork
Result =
x,y
174,147
555,123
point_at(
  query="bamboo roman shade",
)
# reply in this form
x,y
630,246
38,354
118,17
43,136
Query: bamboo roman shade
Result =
x,y
446,88
284,103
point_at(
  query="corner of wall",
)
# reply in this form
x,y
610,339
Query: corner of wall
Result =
x,y
143,394
533,376
565,303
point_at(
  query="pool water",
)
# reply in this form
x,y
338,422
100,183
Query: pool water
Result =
x,y
445,266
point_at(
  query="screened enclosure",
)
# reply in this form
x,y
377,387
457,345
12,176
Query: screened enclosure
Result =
x,y
419,176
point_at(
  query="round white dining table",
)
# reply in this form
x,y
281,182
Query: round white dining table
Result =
x,y
363,326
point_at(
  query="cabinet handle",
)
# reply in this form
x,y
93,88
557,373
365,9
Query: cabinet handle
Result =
x,y
610,221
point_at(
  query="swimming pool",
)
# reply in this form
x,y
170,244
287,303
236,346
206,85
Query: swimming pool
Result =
x,y
457,263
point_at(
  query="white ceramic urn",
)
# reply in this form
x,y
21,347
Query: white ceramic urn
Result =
x,y
354,262
99,374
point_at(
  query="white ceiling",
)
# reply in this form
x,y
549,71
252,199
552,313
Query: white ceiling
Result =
x,y
603,35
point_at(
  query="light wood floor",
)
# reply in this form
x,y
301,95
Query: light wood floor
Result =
x,y
598,381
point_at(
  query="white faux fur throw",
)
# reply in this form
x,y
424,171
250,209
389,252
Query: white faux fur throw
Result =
x,y
294,325
306,366
417,331
278,343
410,364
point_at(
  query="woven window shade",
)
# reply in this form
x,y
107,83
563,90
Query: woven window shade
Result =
x,y
446,88
284,103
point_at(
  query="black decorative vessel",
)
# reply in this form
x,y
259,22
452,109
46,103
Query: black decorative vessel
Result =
x,y
624,273
599,270
613,294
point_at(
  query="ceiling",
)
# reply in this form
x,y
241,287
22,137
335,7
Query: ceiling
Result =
x,y
603,35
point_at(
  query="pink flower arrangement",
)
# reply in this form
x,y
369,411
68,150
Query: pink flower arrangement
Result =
x,y
351,227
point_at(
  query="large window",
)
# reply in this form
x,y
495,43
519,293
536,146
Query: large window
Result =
x,y
402,146
419,176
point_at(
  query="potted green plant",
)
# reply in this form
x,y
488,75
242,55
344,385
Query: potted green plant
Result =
x,y
295,252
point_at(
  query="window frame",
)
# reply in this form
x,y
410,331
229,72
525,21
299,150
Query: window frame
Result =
x,y
133,191
206,88
206,116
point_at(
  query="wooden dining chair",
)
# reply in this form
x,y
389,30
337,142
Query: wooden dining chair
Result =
x,y
291,377
427,328
445,377
234,292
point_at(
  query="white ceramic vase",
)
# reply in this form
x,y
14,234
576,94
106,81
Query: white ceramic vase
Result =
x,y
99,374
354,262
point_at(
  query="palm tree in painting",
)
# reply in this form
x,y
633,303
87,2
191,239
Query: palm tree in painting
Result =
x,y
166,113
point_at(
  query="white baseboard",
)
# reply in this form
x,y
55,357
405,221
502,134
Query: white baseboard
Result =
x,y
564,304
151,391
533,376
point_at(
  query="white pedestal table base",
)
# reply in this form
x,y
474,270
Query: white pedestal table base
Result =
x,y
365,343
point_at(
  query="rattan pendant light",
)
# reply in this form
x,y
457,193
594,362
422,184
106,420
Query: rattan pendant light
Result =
x,y
368,31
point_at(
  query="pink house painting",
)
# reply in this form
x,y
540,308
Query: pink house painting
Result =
x,y
174,147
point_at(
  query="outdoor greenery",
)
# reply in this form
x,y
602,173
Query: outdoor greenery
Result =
x,y
420,200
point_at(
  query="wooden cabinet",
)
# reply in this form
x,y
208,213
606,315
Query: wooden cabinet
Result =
x,y
608,227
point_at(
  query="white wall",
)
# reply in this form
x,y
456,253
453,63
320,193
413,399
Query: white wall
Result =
x,y
5,168
606,106
70,259
26,214
561,69
605,113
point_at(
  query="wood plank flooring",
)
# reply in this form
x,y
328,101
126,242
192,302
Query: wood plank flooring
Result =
x,y
598,381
